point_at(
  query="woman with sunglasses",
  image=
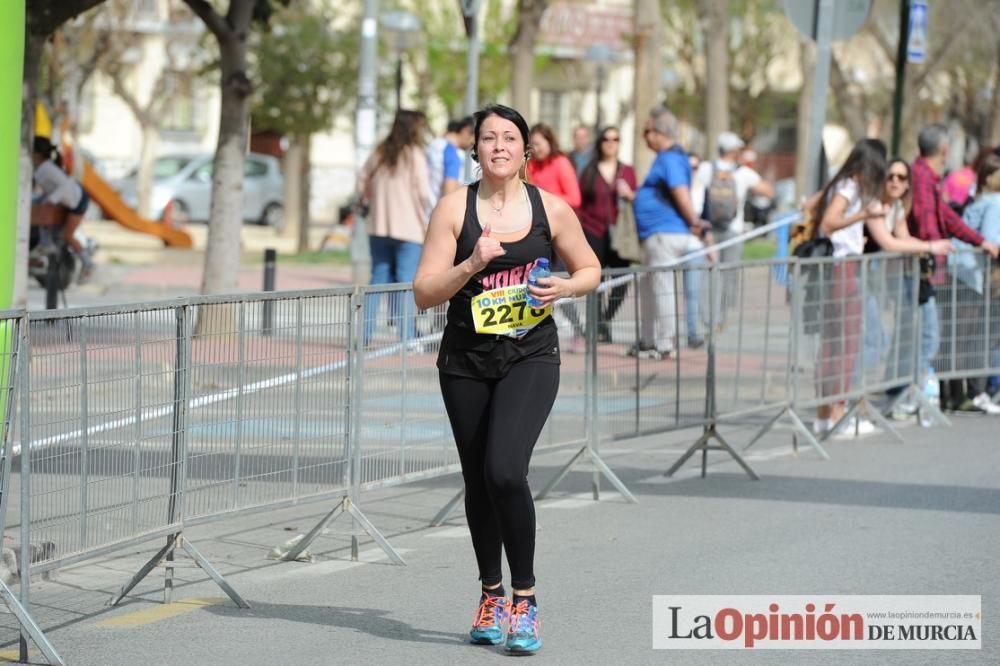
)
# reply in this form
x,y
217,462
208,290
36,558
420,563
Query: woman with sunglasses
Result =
x,y
849,206
889,232
604,183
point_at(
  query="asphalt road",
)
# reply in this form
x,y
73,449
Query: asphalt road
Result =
x,y
921,517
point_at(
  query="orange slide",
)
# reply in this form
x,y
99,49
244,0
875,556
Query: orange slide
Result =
x,y
115,209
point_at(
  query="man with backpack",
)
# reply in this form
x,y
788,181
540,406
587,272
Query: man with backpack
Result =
x,y
720,190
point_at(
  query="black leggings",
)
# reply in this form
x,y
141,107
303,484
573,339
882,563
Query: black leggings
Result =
x,y
496,423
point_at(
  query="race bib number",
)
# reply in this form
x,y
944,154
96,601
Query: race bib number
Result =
x,y
505,311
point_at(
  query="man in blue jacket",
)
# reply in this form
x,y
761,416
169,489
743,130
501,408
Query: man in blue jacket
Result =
x,y
668,229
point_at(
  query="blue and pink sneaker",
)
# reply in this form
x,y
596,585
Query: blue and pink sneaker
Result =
x,y
488,624
522,638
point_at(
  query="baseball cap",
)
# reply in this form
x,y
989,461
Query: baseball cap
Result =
x,y
729,142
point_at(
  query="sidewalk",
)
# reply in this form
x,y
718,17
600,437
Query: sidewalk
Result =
x,y
880,518
133,267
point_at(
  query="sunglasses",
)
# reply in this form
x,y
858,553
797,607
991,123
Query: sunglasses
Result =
x,y
611,139
899,177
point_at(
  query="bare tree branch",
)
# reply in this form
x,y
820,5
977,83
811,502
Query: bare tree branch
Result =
x,y
850,105
887,48
44,18
215,23
118,85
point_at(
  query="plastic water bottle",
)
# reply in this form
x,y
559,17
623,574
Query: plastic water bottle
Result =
x,y
540,270
932,388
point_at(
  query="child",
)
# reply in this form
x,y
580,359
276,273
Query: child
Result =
x,y
58,188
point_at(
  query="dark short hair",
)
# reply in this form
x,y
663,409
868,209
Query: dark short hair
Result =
x,y
43,146
504,112
457,126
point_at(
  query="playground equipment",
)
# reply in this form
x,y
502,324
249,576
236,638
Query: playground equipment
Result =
x,y
105,196
115,209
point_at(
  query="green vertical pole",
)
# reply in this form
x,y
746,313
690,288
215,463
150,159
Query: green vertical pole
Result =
x,y
897,102
12,57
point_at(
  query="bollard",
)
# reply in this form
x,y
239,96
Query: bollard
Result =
x,y
267,311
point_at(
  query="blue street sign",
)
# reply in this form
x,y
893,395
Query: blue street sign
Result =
x,y
916,45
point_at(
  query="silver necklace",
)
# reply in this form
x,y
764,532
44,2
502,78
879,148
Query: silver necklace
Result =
x,y
499,212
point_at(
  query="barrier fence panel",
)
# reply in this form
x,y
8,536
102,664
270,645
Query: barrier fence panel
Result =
x,y
14,393
10,339
100,435
650,377
858,333
752,335
620,402
969,328
138,421
403,431
891,322
269,397
568,420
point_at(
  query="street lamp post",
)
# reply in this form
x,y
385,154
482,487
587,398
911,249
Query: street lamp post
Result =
x,y
402,28
602,55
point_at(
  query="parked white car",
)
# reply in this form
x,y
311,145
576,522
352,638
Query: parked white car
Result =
x,y
186,181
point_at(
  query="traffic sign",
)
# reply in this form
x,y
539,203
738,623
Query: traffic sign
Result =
x,y
916,44
848,16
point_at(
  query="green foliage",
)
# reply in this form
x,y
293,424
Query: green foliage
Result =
x,y
442,63
305,71
755,34
759,248
263,10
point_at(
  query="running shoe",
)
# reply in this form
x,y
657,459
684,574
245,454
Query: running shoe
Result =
x,y
983,403
523,635
488,624
643,351
855,427
822,426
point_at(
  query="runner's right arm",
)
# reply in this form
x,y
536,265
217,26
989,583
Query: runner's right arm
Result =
x,y
438,278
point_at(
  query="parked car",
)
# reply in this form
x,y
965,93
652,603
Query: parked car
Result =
x,y
185,182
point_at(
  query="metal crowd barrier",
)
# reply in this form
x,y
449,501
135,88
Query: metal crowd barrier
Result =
x,y
136,422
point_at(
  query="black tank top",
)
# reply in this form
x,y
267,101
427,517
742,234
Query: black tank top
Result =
x,y
467,353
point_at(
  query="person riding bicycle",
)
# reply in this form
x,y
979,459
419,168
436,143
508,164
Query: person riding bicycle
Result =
x,y
57,189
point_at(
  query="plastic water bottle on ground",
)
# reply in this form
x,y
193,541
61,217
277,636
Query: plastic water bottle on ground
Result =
x,y
932,388
540,270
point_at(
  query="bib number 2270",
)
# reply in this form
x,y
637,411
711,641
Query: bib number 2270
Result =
x,y
505,311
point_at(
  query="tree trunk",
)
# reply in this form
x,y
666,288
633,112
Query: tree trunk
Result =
x,y
305,192
292,212
33,46
993,122
714,15
807,62
522,53
222,255
648,42
144,176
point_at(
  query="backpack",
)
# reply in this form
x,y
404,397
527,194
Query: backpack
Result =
x,y
721,200
806,243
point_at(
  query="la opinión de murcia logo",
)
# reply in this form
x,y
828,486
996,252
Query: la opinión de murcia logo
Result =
x,y
730,624
866,623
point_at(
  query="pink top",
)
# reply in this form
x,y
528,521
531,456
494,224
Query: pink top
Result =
x,y
557,176
957,185
399,199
